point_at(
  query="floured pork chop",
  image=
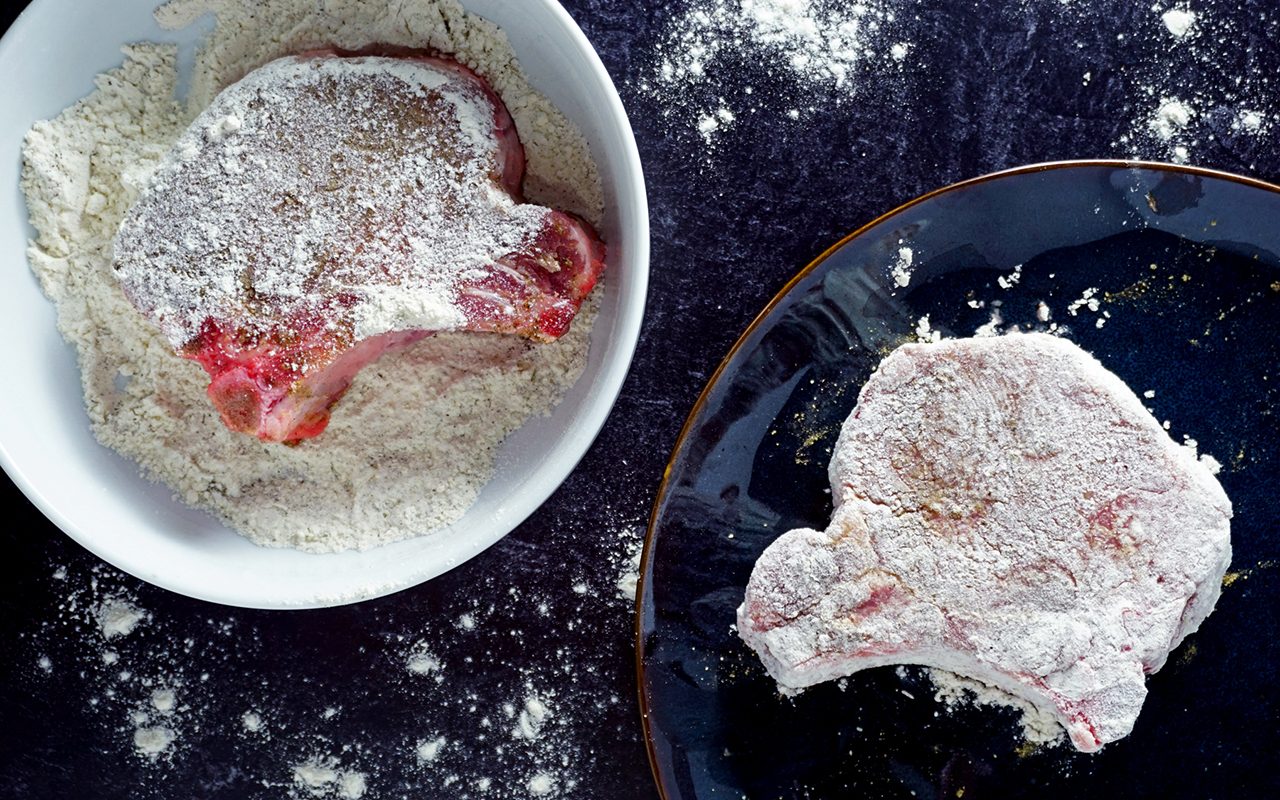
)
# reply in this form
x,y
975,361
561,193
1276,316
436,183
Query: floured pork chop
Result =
x,y
1006,509
330,206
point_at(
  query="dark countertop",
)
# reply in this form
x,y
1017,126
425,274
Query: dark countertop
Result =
x,y
982,87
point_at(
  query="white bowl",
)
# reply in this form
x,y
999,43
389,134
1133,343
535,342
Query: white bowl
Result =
x,y
49,58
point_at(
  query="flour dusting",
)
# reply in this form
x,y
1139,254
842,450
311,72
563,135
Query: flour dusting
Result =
x,y
428,750
321,776
1038,726
151,742
1179,21
629,579
415,438
774,63
420,661
820,49
118,617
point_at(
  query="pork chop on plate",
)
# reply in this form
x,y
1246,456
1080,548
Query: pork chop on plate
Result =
x,y
333,205
1005,509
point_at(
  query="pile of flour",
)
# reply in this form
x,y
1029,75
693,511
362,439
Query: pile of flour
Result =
x,y
415,438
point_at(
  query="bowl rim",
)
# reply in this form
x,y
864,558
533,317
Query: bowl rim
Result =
x,y
650,742
575,439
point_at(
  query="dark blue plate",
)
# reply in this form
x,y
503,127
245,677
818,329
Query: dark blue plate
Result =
x,y
1185,263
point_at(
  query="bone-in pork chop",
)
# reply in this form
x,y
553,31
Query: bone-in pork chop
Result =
x,y
330,206
1007,510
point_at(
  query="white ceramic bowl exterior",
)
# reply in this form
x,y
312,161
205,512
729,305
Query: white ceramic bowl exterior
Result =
x,y
49,58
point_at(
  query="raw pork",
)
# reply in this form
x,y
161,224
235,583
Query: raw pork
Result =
x,y
333,205
1007,510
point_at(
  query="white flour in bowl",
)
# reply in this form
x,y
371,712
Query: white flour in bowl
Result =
x,y
414,440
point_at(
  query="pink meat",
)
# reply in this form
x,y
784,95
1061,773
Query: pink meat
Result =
x,y
332,206
1007,510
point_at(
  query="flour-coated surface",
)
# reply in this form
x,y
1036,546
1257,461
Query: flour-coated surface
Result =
x,y
420,428
1005,509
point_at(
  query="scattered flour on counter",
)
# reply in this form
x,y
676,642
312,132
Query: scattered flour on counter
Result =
x,y
820,43
709,123
629,577
623,560
1179,21
813,57
501,703
1190,98
1171,117
315,774
1250,122
118,617
153,741
542,784
429,749
324,777
530,721
420,661
1038,727
816,46
164,700
415,438
351,785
